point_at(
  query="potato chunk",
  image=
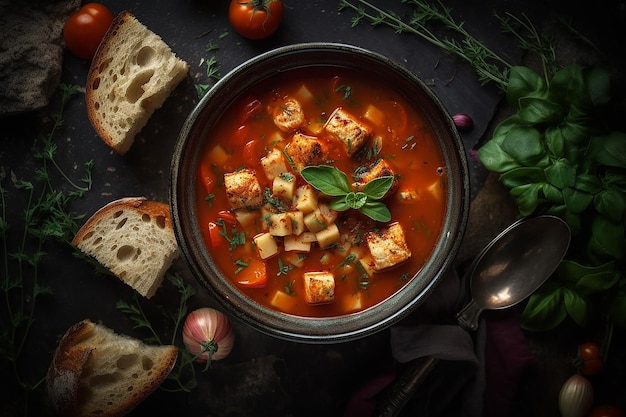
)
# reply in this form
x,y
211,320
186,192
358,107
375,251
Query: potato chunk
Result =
x,y
266,245
387,247
243,190
319,287
348,129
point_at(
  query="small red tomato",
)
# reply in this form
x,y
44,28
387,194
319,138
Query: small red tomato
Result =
x,y
85,29
589,359
606,410
255,19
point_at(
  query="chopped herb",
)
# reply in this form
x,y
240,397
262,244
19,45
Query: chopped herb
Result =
x,y
234,238
289,288
289,160
212,47
349,259
274,202
212,71
287,176
240,266
283,269
209,199
347,91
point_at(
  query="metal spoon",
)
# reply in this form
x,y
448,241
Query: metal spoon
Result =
x,y
513,265
508,270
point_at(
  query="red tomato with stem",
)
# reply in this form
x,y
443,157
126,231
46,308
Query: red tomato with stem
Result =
x,y
84,30
589,360
606,410
255,19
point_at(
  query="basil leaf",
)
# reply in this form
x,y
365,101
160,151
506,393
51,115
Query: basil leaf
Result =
x,y
495,159
524,144
327,179
522,176
554,140
577,307
609,150
588,182
523,82
537,110
610,203
598,282
378,187
598,83
552,193
376,210
568,86
561,174
576,201
339,204
607,239
355,200
526,198
545,309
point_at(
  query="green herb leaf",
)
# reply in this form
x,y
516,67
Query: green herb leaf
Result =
x,y
378,187
327,179
376,211
356,200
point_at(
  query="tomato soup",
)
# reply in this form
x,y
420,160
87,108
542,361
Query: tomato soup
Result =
x,y
302,249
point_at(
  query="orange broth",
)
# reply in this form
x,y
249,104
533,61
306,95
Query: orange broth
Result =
x,y
245,134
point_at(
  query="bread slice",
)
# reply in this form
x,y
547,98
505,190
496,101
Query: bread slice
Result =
x,y
131,75
97,372
134,239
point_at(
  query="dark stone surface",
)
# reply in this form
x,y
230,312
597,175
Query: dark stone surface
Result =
x,y
264,376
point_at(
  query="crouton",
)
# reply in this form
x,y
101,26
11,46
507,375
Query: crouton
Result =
x,y
243,190
319,287
304,150
288,115
347,129
388,247
380,168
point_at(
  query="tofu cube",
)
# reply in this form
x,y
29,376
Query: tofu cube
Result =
x,y
329,236
266,245
319,287
284,186
353,302
387,247
283,301
305,199
288,115
274,164
304,150
297,222
279,224
243,190
374,115
348,130
295,258
295,243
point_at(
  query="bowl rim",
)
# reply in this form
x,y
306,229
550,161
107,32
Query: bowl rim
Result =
x,y
306,329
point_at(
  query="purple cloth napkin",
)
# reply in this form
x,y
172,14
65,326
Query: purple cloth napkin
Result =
x,y
496,353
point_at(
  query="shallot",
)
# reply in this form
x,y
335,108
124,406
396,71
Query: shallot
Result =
x,y
208,335
463,122
576,397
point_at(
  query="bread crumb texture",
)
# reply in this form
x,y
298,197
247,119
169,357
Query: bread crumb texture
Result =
x,y
134,239
131,75
97,372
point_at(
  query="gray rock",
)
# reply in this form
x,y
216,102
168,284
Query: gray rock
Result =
x,y
31,52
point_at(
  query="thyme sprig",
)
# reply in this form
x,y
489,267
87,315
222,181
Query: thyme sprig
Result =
x,y
46,219
488,65
183,375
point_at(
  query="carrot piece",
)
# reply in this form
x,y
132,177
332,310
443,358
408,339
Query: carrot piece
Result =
x,y
253,275
208,178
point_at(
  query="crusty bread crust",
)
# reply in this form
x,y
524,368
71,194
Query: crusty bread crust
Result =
x,y
99,373
133,237
131,75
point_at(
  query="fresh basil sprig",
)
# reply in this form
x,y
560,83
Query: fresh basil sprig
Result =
x,y
333,182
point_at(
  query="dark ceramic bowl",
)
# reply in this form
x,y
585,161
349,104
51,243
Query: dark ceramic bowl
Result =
x,y
182,198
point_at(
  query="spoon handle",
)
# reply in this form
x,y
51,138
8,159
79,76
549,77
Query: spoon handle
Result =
x,y
468,316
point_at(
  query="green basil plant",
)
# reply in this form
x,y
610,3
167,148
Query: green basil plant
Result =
x,y
558,155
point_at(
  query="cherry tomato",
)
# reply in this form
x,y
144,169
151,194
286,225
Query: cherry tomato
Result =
x,y
255,19
85,29
606,410
589,359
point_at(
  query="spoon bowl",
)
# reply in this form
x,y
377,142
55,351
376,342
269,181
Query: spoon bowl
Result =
x,y
515,264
